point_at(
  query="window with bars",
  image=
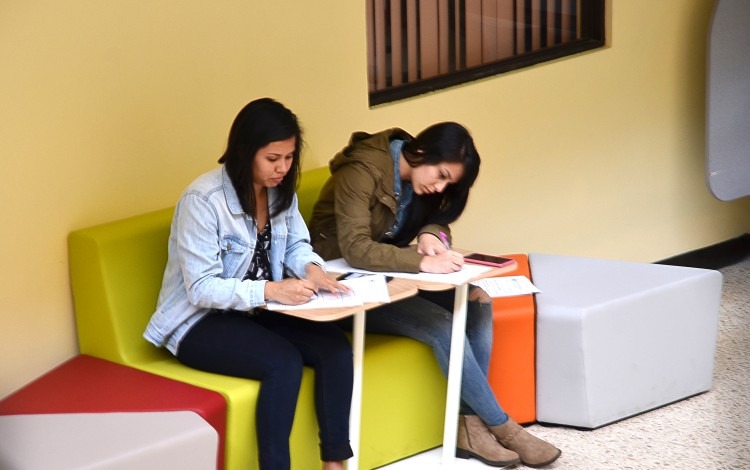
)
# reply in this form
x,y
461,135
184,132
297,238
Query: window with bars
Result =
x,y
417,46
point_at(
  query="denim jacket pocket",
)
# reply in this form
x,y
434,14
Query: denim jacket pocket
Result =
x,y
233,251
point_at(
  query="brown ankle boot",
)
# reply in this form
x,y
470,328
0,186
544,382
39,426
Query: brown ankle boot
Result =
x,y
533,451
475,440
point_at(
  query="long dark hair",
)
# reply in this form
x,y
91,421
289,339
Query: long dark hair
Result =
x,y
442,142
258,124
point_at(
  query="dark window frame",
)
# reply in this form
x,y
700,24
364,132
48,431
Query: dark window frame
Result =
x,y
592,36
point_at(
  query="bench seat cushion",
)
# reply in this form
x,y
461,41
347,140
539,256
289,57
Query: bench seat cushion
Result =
x,y
116,271
617,338
107,441
512,372
86,384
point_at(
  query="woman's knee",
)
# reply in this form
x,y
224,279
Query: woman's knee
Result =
x,y
285,370
337,355
477,294
285,354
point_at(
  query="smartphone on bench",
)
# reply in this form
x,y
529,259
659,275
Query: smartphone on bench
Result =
x,y
488,260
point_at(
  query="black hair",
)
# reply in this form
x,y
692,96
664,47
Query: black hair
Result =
x,y
442,142
258,124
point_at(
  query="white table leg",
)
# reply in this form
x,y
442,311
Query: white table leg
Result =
x,y
355,417
455,368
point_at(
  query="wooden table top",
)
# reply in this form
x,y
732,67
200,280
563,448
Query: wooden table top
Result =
x,y
398,289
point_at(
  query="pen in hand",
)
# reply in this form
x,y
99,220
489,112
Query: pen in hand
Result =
x,y
444,238
440,262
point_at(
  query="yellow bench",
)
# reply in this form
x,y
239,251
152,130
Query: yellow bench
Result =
x,y
116,270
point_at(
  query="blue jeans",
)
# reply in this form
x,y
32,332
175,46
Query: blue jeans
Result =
x,y
428,319
273,347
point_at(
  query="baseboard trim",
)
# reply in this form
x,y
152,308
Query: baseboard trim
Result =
x,y
716,256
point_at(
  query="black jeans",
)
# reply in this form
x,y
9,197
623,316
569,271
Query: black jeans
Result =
x,y
273,347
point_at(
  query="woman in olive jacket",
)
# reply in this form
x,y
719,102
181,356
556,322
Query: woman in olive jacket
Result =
x,y
386,190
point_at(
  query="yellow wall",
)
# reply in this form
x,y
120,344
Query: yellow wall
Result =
x,y
108,109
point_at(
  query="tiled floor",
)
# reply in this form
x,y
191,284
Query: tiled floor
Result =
x,y
710,431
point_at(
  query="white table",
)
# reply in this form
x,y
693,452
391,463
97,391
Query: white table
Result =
x,y
455,361
398,289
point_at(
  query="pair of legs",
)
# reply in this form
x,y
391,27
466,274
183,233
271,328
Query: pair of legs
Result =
x,y
273,347
428,318
485,430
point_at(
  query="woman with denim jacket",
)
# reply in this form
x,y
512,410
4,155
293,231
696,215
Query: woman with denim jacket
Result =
x,y
386,191
237,241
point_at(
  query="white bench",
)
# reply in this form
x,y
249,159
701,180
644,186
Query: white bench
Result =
x,y
111,441
617,338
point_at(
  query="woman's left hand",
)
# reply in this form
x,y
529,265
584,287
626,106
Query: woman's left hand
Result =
x,y
430,245
322,280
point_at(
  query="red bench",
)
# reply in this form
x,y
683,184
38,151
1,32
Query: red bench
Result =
x,y
85,384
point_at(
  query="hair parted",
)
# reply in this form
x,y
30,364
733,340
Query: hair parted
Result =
x,y
258,124
441,142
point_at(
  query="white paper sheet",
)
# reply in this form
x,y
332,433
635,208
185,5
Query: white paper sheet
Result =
x,y
370,288
468,271
363,290
506,286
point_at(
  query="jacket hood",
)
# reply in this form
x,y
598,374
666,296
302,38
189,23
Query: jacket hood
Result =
x,y
362,147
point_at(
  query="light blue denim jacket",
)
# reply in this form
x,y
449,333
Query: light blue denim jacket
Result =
x,y
211,244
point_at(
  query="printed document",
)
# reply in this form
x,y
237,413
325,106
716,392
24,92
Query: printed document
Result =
x,y
506,286
468,271
363,290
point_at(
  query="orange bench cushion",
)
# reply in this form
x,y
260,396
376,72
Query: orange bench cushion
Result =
x,y
512,364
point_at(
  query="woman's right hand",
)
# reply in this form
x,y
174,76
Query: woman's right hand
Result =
x,y
290,291
446,262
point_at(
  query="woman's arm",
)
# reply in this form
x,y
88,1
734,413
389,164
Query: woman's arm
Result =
x,y
298,252
433,239
301,261
355,187
210,266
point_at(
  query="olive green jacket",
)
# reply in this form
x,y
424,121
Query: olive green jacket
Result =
x,y
357,207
